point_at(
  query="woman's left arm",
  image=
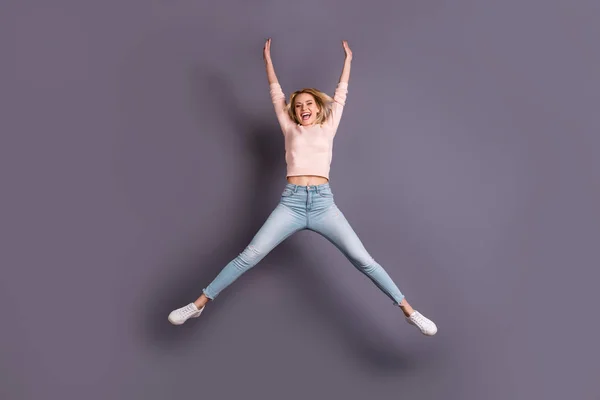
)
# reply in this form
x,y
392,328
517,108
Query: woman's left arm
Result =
x,y
346,71
339,97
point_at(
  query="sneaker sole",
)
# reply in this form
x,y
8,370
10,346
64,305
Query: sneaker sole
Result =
x,y
181,323
423,333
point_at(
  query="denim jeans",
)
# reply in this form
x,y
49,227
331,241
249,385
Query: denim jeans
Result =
x,y
312,208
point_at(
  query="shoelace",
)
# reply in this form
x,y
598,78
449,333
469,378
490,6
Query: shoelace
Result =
x,y
187,310
420,320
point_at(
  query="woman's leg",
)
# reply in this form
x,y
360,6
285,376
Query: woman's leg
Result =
x,y
282,223
279,225
332,224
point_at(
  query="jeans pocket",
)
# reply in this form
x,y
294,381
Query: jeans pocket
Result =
x,y
287,192
326,193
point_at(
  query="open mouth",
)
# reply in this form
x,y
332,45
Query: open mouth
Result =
x,y
305,116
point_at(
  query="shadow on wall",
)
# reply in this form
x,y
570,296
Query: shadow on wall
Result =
x,y
264,142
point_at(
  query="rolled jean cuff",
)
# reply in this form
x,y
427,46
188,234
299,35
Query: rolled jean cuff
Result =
x,y
209,295
398,300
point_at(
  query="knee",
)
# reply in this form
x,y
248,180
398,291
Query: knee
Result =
x,y
250,256
367,264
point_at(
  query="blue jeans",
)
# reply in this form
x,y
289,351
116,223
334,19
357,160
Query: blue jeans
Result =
x,y
312,208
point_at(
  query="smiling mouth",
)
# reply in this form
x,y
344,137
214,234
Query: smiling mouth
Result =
x,y
305,116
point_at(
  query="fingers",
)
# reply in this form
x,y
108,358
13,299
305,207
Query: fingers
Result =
x,y
267,50
347,50
346,47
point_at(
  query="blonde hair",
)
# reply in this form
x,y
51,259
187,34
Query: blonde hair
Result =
x,y
323,101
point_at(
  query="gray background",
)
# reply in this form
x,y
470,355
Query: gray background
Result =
x,y
140,153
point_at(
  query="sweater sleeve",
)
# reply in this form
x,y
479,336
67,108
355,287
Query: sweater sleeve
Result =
x,y
278,99
339,101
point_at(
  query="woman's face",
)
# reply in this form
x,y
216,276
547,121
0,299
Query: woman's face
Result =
x,y
306,109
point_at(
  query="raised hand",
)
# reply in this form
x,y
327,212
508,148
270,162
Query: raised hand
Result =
x,y
347,50
347,62
267,51
271,76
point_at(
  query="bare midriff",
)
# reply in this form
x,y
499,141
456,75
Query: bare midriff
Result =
x,y
307,180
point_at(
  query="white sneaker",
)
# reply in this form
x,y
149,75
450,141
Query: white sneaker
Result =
x,y
179,316
426,326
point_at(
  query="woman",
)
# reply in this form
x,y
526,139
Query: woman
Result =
x,y
309,124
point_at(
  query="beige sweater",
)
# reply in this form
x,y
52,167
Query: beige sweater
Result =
x,y
308,149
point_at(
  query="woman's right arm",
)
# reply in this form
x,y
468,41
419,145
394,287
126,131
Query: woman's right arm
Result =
x,y
277,95
269,64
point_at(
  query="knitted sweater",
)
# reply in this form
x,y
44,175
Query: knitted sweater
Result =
x,y
308,149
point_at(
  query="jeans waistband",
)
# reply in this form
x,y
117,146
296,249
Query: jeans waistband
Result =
x,y
310,188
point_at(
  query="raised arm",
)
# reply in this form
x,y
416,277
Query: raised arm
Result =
x,y
277,95
271,76
346,71
341,91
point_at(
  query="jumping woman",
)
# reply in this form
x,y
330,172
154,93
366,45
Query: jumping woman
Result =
x,y
309,123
